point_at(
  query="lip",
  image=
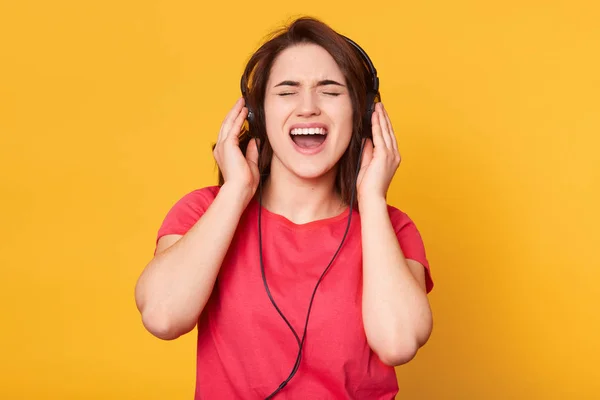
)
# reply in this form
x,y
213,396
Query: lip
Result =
x,y
309,125
314,150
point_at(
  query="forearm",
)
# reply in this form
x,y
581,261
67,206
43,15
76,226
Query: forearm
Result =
x,y
396,312
175,286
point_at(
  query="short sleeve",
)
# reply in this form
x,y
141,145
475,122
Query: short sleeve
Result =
x,y
187,211
411,242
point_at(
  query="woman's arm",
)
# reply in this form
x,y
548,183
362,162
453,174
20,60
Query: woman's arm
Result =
x,y
396,312
175,286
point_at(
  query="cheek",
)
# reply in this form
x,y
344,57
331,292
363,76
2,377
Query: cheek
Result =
x,y
275,117
343,116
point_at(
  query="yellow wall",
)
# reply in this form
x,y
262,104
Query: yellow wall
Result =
x,y
107,113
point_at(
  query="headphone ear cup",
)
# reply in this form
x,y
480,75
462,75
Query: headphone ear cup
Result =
x,y
250,118
368,114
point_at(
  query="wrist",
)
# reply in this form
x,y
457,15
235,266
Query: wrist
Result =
x,y
238,195
372,202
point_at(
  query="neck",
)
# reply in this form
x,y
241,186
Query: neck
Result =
x,y
301,200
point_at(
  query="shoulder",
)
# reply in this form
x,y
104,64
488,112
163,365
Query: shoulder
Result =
x,y
194,203
404,226
410,240
199,198
186,211
399,218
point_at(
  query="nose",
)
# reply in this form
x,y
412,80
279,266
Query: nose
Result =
x,y
308,105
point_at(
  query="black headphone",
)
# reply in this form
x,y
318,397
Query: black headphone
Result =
x,y
373,97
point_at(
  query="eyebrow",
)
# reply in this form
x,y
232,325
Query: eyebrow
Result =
x,y
320,83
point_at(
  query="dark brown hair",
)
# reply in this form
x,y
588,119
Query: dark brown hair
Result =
x,y
256,74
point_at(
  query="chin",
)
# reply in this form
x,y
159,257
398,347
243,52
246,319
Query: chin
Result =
x,y
312,169
311,174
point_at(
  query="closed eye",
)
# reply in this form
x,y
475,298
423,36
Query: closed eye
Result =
x,y
282,94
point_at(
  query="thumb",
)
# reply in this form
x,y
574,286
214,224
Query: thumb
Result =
x,y
367,154
252,151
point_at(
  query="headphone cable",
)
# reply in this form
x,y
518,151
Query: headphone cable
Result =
x,y
301,342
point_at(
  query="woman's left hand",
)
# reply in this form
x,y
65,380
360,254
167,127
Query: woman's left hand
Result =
x,y
380,158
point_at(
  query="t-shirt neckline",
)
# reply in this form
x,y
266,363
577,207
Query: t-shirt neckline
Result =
x,y
293,225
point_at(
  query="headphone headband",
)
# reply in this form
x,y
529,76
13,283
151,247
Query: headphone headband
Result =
x,y
368,62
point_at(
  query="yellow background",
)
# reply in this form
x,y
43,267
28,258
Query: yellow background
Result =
x,y
107,115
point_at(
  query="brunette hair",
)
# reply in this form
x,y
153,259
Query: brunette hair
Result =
x,y
358,79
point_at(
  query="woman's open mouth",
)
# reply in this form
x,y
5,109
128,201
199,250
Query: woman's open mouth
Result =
x,y
308,138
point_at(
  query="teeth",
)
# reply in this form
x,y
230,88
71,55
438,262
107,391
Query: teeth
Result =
x,y
308,131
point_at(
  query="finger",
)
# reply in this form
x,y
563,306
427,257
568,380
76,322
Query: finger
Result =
x,y
230,118
376,130
385,131
252,151
390,129
367,154
235,128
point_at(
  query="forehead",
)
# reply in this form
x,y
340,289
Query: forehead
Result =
x,y
305,62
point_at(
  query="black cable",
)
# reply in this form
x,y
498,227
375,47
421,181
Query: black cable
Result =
x,y
301,342
262,268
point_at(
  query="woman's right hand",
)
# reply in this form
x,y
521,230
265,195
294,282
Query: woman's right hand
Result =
x,y
238,171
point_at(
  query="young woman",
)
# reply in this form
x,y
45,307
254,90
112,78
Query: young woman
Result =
x,y
302,281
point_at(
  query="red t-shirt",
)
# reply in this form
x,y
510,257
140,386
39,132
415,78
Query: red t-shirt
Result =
x,y
245,350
